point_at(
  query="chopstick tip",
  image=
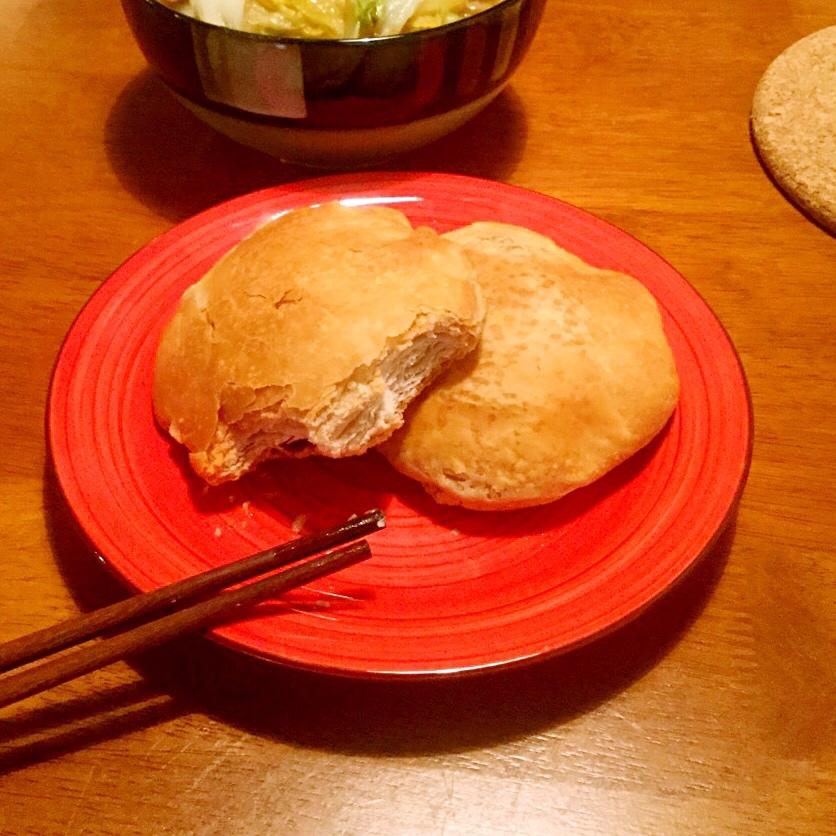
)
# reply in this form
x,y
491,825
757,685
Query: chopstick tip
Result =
x,y
373,515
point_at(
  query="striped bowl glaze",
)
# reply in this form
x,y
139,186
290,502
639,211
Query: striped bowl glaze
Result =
x,y
335,102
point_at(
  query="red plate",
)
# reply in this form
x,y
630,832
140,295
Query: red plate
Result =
x,y
447,590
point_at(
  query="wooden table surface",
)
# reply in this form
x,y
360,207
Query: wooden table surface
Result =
x,y
713,713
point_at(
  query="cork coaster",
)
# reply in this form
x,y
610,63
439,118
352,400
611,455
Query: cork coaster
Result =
x,y
794,124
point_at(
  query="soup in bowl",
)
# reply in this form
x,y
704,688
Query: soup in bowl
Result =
x,y
334,101
328,19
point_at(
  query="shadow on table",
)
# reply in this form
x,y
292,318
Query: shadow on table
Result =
x,y
178,166
365,717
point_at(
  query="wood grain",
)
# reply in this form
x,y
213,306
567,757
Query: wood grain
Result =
x,y
713,713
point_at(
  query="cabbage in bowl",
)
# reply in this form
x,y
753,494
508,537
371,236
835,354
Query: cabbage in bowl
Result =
x,y
330,18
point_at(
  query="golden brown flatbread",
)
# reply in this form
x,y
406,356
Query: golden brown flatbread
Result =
x,y
312,336
573,375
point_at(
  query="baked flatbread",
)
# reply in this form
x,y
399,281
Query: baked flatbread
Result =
x,y
573,375
312,336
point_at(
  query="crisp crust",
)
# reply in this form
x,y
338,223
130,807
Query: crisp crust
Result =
x,y
573,375
794,123
294,313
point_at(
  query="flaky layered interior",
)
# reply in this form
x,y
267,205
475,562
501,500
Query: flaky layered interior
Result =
x,y
357,414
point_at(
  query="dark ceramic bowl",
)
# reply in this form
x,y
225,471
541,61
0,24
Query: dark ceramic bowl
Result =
x,y
337,102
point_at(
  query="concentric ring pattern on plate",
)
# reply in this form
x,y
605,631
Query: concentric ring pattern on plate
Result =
x,y
447,590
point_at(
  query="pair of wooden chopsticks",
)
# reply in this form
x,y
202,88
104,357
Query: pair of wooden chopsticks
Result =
x,y
208,611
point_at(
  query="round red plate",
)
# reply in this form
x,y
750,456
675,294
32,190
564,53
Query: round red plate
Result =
x,y
447,590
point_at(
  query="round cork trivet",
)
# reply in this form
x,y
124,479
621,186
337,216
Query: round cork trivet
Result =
x,y
794,124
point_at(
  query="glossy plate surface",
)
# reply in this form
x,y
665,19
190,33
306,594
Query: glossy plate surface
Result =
x,y
447,590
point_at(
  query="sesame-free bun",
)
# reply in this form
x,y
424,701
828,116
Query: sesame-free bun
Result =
x,y
573,375
311,336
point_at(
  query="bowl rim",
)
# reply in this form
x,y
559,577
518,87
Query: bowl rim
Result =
x,y
407,37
